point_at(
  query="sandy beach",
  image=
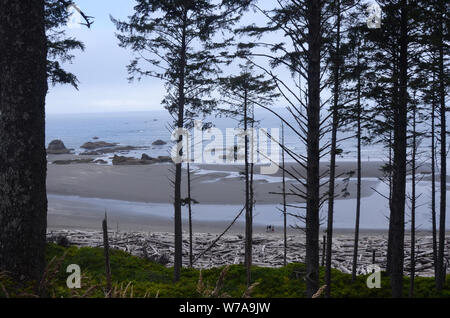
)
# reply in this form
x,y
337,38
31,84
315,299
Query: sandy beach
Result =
x,y
211,184
79,194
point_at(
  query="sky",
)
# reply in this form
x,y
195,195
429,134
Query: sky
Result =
x,y
101,68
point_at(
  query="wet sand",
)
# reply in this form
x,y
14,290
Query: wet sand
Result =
x,y
219,185
211,184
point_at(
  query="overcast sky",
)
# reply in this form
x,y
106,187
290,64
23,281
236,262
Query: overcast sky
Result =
x,y
101,68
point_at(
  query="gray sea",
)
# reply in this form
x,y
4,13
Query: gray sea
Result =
x,y
143,128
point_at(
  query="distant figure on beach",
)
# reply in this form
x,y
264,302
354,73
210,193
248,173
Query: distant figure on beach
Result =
x,y
270,228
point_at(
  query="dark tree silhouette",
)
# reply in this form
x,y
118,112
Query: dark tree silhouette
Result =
x,y
23,87
354,87
242,93
399,162
305,26
176,38
441,39
58,44
343,19
389,53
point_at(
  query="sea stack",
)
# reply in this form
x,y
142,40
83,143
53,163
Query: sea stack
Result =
x,y
57,147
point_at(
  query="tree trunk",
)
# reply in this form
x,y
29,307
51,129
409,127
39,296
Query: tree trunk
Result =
x,y
248,223
359,170
413,209
252,203
284,198
433,183
334,130
399,169
106,256
178,261
313,147
395,101
391,164
23,87
191,254
441,271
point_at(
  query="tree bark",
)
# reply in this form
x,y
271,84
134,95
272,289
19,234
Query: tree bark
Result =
x,y
248,216
395,101
313,147
433,183
441,271
23,165
252,202
413,208
391,164
284,198
191,253
399,169
178,261
334,129
106,255
359,171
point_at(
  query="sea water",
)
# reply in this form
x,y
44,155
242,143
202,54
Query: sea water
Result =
x,y
143,128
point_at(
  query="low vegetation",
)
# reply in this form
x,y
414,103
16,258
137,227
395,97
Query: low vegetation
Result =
x,y
135,277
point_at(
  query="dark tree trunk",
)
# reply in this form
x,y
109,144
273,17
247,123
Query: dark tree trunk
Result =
x,y
191,254
433,183
441,271
334,130
413,209
178,261
313,147
284,198
252,193
248,216
399,168
395,101
359,170
23,166
391,164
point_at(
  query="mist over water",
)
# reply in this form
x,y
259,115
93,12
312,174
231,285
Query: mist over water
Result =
x,y
143,128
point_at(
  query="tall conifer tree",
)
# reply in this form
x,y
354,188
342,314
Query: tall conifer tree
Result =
x,y
173,41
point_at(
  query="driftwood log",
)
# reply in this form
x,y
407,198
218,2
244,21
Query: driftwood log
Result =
x,y
218,250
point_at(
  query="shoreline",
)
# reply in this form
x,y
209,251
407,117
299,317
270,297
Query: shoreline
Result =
x,y
80,214
211,184
140,197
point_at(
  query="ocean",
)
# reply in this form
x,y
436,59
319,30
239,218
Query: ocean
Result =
x,y
143,128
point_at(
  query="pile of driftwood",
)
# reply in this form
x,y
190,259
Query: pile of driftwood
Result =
x,y
267,249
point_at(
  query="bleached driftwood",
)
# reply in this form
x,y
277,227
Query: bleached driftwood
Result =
x,y
213,250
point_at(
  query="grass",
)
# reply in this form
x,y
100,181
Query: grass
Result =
x,y
135,277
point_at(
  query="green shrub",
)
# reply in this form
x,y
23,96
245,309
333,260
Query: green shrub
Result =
x,y
138,277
